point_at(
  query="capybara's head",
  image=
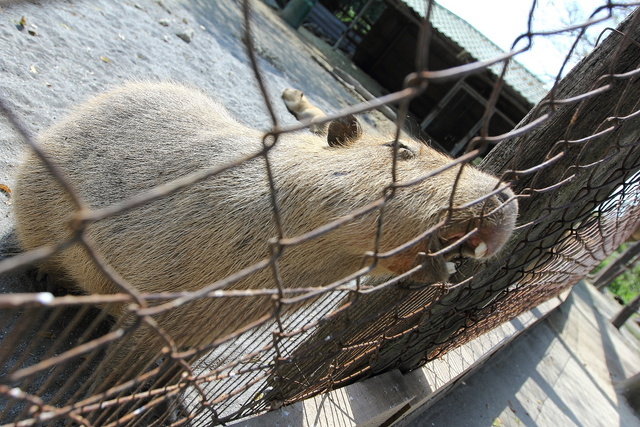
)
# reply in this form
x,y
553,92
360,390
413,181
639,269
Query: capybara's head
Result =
x,y
437,211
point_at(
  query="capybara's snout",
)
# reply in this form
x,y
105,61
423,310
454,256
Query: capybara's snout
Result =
x,y
483,228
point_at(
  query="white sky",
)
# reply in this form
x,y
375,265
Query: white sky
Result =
x,y
503,21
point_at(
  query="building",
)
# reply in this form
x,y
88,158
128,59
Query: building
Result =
x,y
381,38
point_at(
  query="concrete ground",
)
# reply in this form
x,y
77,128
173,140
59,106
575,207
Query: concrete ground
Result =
x,y
562,372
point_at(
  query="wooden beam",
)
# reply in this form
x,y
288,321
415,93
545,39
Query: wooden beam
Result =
x,y
626,312
617,267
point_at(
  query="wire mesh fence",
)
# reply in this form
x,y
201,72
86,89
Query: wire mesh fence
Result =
x,y
218,272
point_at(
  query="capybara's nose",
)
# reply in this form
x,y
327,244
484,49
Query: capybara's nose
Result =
x,y
504,196
489,228
496,228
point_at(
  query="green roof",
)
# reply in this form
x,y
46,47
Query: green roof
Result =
x,y
481,48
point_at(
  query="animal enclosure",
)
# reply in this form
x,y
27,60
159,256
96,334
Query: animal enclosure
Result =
x,y
66,357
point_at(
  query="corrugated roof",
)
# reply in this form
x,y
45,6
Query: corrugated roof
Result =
x,y
481,49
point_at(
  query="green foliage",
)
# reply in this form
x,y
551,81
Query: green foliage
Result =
x,y
626,285
348,9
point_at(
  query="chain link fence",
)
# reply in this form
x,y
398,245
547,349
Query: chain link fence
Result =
x,y
284,312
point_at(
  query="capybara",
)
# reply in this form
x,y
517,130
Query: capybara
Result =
x,y
298,105
144,134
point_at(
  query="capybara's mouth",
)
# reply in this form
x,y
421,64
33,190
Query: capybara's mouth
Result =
x,y
480,243
463,248
472,246
482,237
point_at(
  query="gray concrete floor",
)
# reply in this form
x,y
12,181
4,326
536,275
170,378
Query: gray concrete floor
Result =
x,y
562,372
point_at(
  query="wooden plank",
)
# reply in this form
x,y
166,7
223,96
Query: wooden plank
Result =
x,y
367,403
443,374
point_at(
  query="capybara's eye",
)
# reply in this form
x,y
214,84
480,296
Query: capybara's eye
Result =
x,y
404,152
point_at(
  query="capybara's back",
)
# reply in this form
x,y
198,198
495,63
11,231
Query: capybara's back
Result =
x,y
144,135
124,143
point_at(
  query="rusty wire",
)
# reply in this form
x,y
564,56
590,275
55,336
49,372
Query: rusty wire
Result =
x,y
579,200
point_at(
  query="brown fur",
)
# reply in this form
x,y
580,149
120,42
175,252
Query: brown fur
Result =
x,y
144,134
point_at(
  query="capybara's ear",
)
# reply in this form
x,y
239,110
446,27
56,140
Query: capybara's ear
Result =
x,y
344,131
